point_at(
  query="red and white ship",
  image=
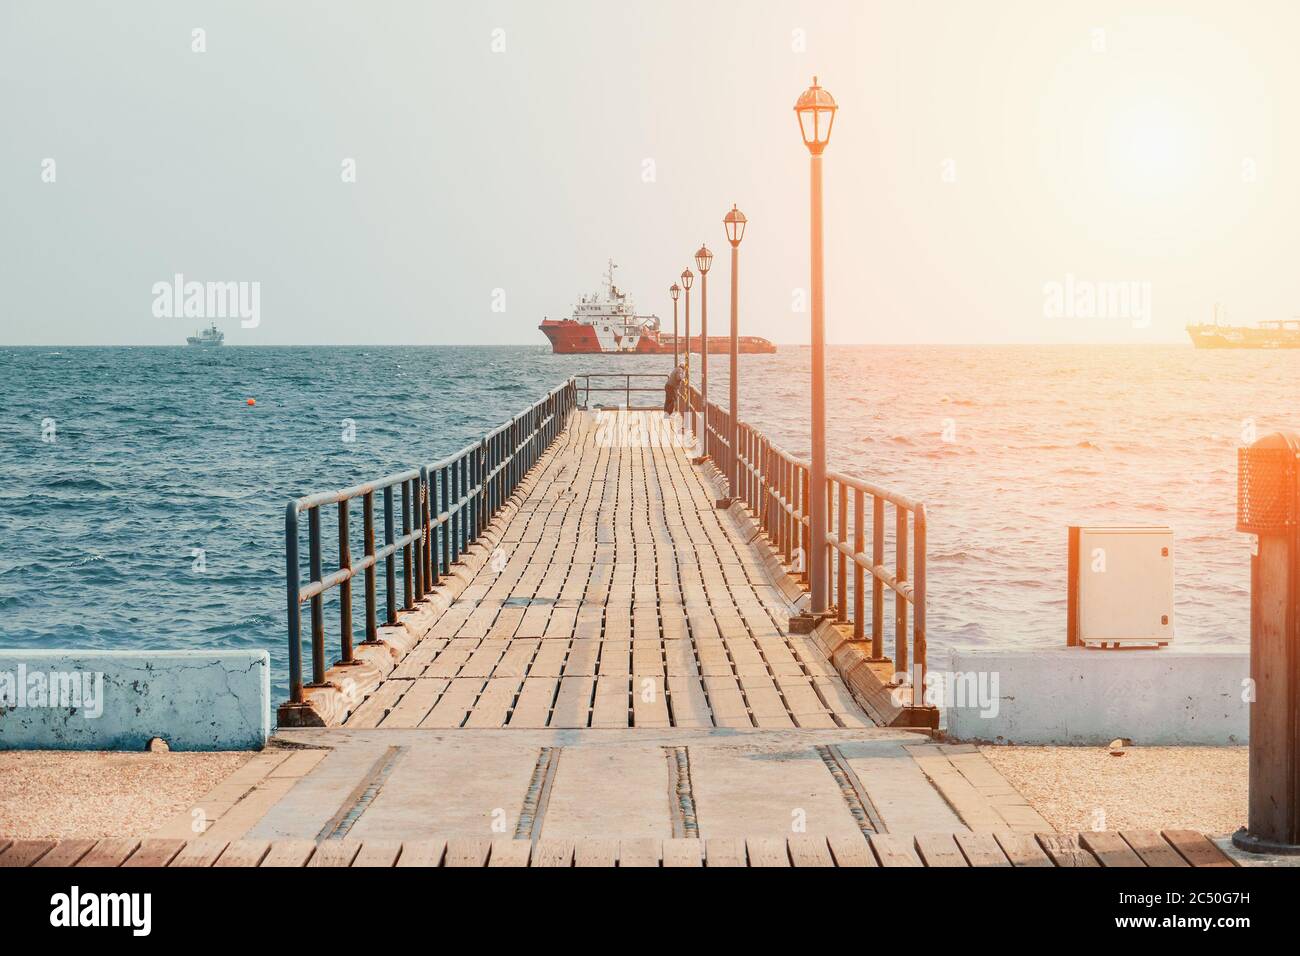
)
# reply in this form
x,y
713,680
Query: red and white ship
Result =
x,y
607,322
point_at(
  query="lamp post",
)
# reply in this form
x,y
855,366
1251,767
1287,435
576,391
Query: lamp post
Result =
x,y
703,260
674,290
688,279
816,111
734,222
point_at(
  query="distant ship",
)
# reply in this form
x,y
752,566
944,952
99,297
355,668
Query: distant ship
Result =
x,y
209,336
607,322
1273,334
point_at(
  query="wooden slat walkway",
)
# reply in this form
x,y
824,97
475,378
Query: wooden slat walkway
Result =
x,y
618,597
1133,849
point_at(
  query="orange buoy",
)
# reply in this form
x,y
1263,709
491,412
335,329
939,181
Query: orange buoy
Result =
x,y
252,401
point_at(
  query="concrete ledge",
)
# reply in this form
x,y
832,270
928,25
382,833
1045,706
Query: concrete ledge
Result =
x,y
120,700
1065,695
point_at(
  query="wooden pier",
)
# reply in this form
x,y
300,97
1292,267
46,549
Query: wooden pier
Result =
x,y
607,676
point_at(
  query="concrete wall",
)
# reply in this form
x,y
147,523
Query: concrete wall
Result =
x,y
119,700
1081,696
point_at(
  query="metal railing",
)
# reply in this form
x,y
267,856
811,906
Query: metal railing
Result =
x,y
444,508
609,382
773,484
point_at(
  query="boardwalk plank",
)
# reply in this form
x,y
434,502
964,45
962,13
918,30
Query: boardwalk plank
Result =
x,y
1193,847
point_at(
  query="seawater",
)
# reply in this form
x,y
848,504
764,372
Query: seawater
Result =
x,y
142,498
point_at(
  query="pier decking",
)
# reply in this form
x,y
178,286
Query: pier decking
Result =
x,y
606,676
615,596
611,659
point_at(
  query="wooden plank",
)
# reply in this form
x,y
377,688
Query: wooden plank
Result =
x,y
25,852
683,852
1193,847
807,850
244,853
639,852
510,853
1064,849
66,853
109,853
334,853
593,852
467,852
199,853
553,852
939,850
154,852
1152,848
894,850
416,703
982,849
1109,848
1022,849
767,851
422,853
378,854
851,851
573,705
455,704
719,851
289,853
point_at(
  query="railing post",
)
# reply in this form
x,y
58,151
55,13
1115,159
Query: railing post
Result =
x,y
345,588
417,551
426,540
806,544
918,608
859,544
407,595
900,603
482,488
842,582
317,603
294,605
368,528
877,585
390,562
446,521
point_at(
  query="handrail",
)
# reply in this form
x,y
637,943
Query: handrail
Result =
x,y
773,485
444,508
627,388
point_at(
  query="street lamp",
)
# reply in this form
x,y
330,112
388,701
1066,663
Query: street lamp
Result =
x,y
734,222
674,290
704,259
688,279
816,111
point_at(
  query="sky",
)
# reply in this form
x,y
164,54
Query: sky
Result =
x,y
435,173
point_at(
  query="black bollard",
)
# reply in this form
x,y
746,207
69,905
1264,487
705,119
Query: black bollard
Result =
x,y
1268,507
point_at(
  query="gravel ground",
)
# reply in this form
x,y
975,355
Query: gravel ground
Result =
x,y
48,793
1085,788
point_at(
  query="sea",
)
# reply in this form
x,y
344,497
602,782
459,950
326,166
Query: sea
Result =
x,y
142,495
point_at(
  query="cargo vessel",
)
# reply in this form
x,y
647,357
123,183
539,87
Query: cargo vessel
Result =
x,y
208,337
1272,334
607,322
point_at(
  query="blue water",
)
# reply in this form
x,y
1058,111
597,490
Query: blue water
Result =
x,y
155,453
